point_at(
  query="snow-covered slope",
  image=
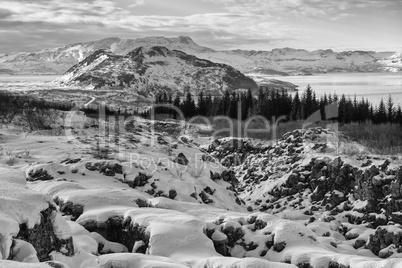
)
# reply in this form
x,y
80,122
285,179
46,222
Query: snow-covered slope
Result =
x,y
32,229
285,60
162,196
150,69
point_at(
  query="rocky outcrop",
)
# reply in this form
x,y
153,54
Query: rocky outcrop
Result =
x,y
39,174
107,168
43,238
306,171
386,241
31,227
181,159
233,151
69,208
123,231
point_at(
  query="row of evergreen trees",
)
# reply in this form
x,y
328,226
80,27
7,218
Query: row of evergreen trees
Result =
x,y
278,103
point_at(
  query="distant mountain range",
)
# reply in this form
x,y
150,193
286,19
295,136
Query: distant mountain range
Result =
x,y
151,69
284,61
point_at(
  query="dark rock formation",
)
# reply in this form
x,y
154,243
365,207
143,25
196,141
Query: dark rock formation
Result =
x,y
69,208
106,168
39,175
181,159
43,239
385,237
120,230
140,180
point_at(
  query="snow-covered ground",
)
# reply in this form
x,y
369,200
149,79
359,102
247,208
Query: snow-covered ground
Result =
x,y
158,198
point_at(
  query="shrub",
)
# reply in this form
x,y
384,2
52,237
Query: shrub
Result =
x,y
11,160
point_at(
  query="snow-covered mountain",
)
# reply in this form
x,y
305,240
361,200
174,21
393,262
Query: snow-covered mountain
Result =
x,y
303,62
152,68
277,61
58,60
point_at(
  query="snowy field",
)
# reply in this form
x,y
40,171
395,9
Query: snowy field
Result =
x,y
157,199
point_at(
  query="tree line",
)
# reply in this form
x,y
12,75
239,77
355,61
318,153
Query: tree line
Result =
x,y
271,103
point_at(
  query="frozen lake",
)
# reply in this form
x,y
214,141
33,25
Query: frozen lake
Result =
x,y
25,82
372,86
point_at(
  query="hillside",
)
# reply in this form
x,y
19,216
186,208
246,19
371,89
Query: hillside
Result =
x,y
280,61
149,69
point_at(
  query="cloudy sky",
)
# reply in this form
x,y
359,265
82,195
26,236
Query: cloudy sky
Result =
x,y
29,25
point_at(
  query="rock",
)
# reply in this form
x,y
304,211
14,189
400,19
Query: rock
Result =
x,y
181,159
39,175
122,231
205,198
359,243
384,237
140,180
69,208
172,194
139,247
334,264
43,238
108,169
278,247
69,161
162,141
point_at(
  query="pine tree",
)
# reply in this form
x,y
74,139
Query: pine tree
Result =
x,y
201,105
208,105
398,115
295,114
176,101
390,109
381,113
189,108
248,104
308,102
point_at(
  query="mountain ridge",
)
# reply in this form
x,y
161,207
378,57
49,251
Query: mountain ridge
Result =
x,y
149,69
288,60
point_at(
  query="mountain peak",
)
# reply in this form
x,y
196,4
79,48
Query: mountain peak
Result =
x,y
185,40
149,51
148,69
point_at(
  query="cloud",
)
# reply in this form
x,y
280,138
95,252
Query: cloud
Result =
x,y
342,16
136,3
100,18
50,23
303,8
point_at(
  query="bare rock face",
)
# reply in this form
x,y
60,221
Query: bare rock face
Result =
x,y
123,231
43,237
